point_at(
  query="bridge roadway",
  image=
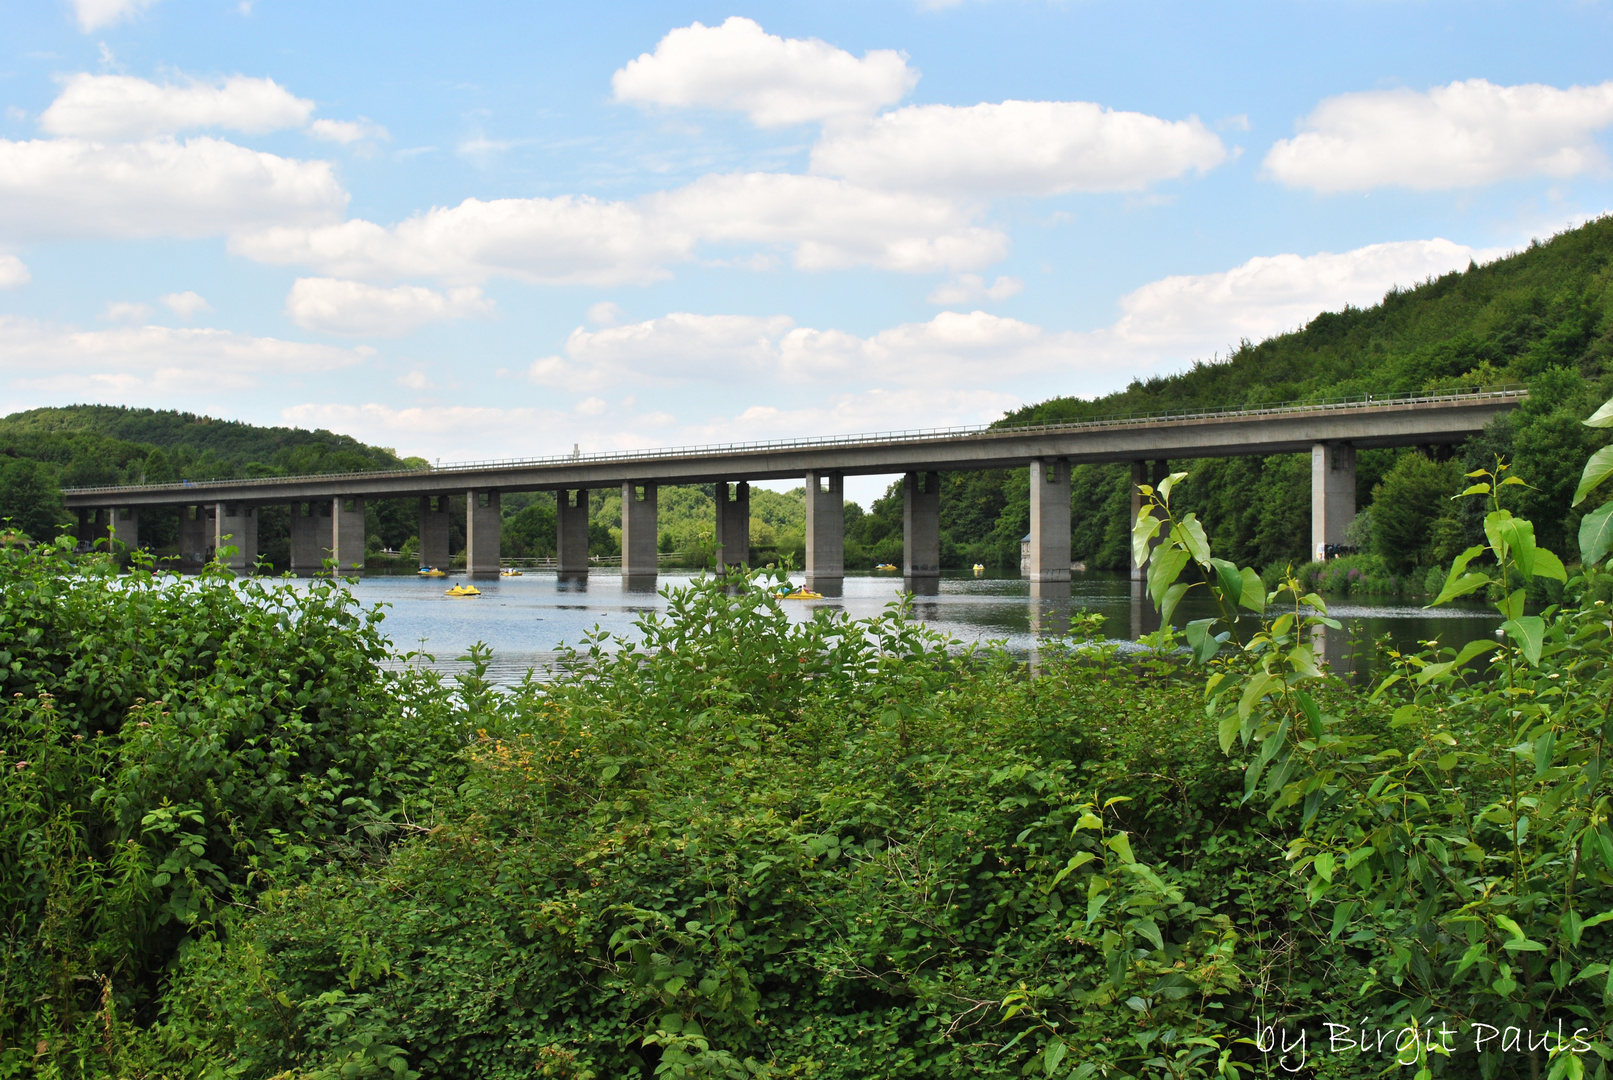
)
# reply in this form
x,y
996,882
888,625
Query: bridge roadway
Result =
x,y
328,510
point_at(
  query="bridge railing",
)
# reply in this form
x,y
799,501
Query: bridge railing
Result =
x,y
1509,392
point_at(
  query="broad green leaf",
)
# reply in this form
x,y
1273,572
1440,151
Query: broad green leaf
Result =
x,y
1253,596
1528,632
1475,952
1253,693
1602,417
1547,564
1149,929
1313,716
1173,596
1228,731
1120,845
1168,483
1077,861
1597,469
1492,525
1228,578
1142,535
1596,534
1474,489
1191,535
1053,1055
1163,570
1304,662
1512,606
1597,920
1199,638
1460,587
1342,913
1324,865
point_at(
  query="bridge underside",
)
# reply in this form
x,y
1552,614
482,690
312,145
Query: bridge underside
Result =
x,y
328,518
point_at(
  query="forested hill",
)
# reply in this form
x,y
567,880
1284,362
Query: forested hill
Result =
x,y
107,444
1538,317
1508,321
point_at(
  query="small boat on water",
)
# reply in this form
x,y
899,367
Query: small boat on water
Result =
x,y
430,571
802,593
509,573
885,566
463,590
980,568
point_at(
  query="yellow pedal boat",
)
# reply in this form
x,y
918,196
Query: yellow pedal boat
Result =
x,y
885,566
802,593
463,590
509,573
430,571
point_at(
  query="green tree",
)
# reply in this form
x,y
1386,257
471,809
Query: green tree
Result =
x,y
1405,506
30,499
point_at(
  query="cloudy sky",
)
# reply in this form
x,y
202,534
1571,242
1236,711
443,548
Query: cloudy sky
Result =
x,y
472,231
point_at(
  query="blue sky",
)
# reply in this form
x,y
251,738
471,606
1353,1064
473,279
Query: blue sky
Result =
x,y
502,230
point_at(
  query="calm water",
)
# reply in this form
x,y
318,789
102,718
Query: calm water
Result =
x,y
524,619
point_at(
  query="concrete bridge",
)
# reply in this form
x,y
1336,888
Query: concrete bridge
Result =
x,y
327,511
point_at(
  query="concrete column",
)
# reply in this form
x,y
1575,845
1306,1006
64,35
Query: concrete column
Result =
x,y
921,525
733,525
435,528
825,532
1050,520
639,536
1139,475
124,522
571,526
100,522
236,525
347,533
1332,495
310,537
484,520
193,536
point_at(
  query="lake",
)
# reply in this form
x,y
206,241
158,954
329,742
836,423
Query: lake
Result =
x,y
524,619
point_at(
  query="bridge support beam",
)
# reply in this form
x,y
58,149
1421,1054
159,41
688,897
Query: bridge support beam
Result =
x,y
484,520
1139,475
435,528
310,536
571,528
921,526
640,503
1332,495
193,535
236,525
1050,520
347,533
825,532
733,525
124,523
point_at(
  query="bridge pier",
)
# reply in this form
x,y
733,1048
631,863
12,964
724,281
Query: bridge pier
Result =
x,y
921,526
639,537
124,525
347,533
571,527
193,538
310,536
733,525
1050,520
435,528
236,525
825,532
484,519
1139,475
1332,495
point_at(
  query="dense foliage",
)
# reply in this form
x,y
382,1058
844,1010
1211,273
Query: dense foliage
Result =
x,y
747,845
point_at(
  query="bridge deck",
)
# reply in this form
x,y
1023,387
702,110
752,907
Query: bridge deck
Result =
x,y
1370,422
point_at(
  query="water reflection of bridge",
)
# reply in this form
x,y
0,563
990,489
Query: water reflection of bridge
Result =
x,y
327,511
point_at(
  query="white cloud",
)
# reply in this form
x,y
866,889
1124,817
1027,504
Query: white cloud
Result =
x,y
1461,135
952,349
605,313
573,239
1015,148
1193,316
187,304
94,14
124,107
158,187
1161,325
972,288
415,380
347,131
153,363
13,272
776,81
352,307
126,311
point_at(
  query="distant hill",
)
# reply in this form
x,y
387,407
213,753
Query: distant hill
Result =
x,y
1540,317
